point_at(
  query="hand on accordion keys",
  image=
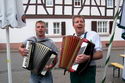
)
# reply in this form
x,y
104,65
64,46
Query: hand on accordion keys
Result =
x,y
53,63
80,55
81,58
49,67
23,51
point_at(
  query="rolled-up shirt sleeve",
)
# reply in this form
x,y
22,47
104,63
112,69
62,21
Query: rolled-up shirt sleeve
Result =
x,y
97,42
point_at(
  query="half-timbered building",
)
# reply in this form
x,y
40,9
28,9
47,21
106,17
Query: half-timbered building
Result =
x,y
58,17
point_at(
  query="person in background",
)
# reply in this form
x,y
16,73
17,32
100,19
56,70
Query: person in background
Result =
x,y
40,29
89,76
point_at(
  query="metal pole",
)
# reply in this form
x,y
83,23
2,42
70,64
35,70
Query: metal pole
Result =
x,y
110,43
8,56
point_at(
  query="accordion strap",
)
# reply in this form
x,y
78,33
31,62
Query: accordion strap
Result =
x,y
90,59
39,41
85,35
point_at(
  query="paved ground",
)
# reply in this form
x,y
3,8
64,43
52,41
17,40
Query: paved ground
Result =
x,y
21,75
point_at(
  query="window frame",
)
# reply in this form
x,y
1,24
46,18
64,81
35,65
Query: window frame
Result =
x,y
103,27
109,3
47,28
57,28
49,3
77,3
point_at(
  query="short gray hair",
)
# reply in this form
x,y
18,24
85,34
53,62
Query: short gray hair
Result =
x,y
40,21
77,16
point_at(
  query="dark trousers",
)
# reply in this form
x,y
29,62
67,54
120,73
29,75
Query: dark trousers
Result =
x,y
89,76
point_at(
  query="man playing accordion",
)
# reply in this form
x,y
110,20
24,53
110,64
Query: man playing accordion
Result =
x,y
40,37
88,76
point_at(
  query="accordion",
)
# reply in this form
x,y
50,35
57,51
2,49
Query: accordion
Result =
x,y
39,55
71,47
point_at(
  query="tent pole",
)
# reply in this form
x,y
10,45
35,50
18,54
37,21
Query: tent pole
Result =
x,y
8,56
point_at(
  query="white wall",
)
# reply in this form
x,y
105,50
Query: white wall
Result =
x,y
19,35
106,37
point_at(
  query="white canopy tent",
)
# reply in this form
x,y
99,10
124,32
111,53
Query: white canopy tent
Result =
x,y
11,16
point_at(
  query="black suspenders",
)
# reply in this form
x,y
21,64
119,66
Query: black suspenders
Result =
x,y
85,35
39,41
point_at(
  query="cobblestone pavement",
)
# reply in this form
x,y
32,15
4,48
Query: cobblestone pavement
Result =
x,y
20,75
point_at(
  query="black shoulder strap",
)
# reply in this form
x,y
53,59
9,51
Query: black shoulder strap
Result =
x,y
85,35
35,38
39,41
73,34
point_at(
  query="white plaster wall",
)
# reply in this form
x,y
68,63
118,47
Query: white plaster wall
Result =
x,y
104,38
67,12
85,11
19,35
2,35
58,10
95,11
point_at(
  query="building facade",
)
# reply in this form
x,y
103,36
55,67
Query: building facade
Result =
x,y
58,17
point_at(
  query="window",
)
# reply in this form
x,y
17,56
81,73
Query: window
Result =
x,y
102,27
77,3
46,27
56,28
49,2
110,3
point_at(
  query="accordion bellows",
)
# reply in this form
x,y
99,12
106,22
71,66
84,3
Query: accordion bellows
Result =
x,y
70,48
39,55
